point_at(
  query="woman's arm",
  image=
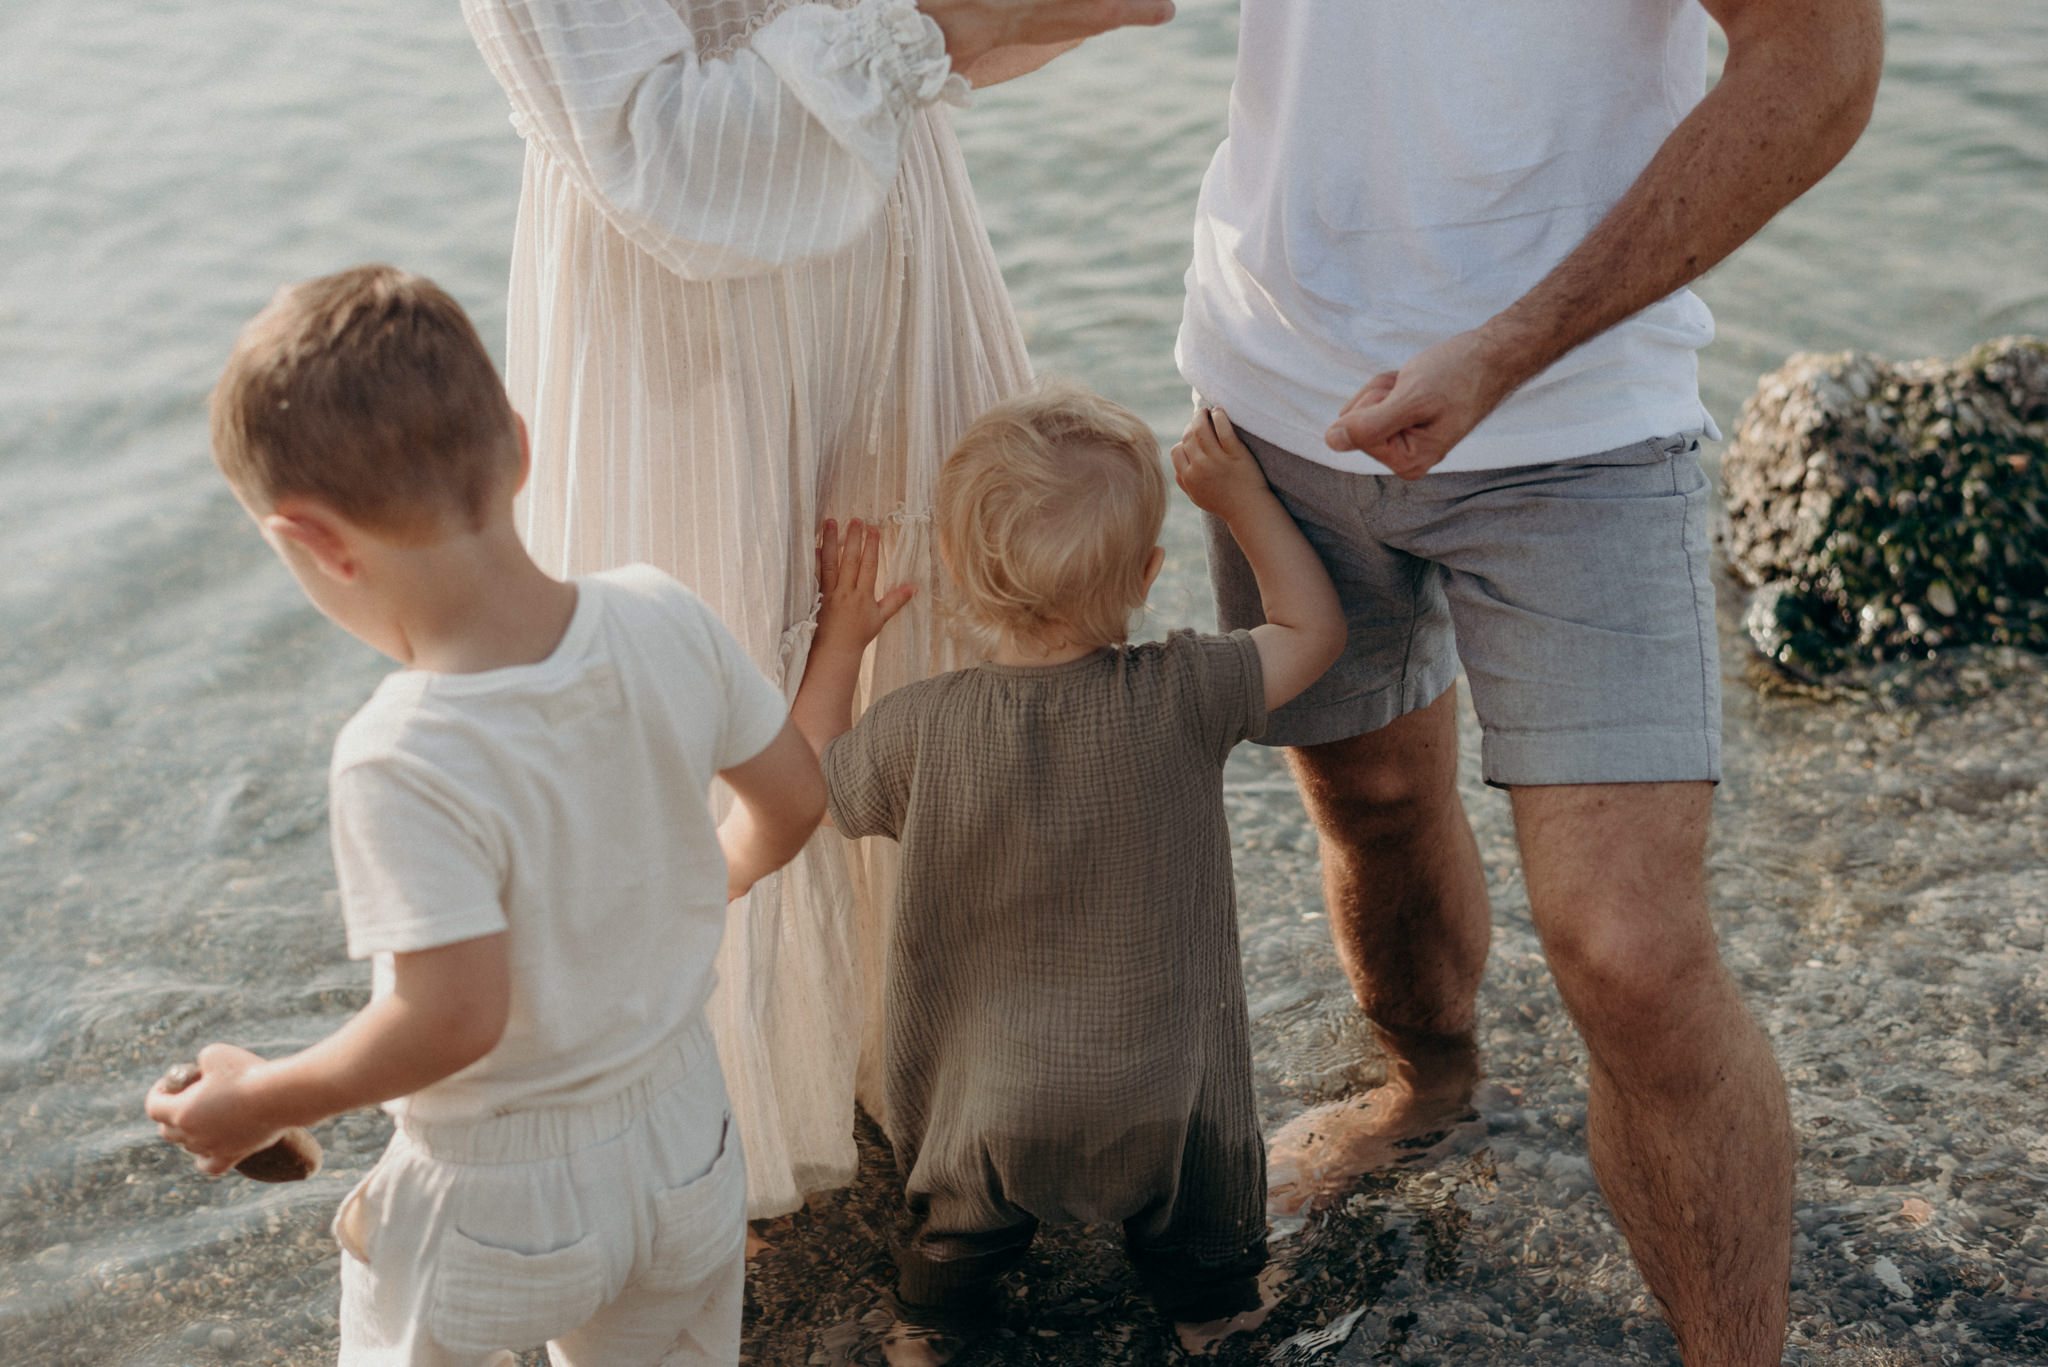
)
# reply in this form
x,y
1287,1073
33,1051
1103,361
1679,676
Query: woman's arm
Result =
x,y
1008,63
783,151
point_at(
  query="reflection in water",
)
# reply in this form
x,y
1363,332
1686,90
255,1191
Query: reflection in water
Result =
x,y
166,705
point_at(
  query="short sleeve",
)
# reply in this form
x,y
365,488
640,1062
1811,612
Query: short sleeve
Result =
x,y
416,870
1227,686
754,708
868,770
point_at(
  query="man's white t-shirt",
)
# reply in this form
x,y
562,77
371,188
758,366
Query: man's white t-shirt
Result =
x,y
563,802
1398,171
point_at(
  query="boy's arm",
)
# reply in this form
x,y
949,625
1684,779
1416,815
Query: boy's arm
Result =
x,y
1304,630
446,1009
849,619
781,798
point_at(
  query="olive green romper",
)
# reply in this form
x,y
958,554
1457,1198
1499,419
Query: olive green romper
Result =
x,y
1065,1035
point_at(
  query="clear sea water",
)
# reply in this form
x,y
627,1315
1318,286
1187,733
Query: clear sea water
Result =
x,y
166,698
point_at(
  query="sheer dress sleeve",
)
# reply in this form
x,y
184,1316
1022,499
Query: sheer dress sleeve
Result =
x,y
780,151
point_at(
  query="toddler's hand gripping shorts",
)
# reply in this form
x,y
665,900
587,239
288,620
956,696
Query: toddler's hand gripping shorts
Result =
x,y
1577,594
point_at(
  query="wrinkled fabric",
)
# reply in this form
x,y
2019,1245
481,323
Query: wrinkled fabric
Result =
x,y
729,320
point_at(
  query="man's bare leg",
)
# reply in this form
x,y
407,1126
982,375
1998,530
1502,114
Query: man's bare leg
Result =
x,y
1687,1120
1407,903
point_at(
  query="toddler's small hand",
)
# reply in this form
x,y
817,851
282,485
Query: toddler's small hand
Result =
x,y
1213,467
849,615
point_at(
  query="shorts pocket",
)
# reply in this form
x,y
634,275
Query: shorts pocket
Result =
x,y
488,1298
700,1225
362,1212
352,1223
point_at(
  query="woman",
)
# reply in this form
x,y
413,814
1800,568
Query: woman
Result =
x,y
750,290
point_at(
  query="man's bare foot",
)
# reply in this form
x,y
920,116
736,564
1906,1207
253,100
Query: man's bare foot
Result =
x,y
1320,1153
913,1345
1201,1340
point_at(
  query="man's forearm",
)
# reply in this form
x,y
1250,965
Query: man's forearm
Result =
x,y
1793,97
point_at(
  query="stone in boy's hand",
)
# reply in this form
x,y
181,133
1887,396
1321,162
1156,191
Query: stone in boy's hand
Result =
x,y
1214,468
849,614
213,1123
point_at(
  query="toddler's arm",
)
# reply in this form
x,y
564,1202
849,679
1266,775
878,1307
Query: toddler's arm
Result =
x,y
849,619
1303,633
446,1009
781,797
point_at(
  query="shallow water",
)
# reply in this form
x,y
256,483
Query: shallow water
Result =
x,y
166,704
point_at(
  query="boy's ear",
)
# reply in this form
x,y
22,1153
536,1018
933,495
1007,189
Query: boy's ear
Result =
x,y
525,455
1153,564
317,534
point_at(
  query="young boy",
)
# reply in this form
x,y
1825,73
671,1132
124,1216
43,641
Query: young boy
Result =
x,y
1065,1033
524,845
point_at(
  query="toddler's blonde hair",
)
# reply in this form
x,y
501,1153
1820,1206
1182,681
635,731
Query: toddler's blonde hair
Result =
x,y
1048,509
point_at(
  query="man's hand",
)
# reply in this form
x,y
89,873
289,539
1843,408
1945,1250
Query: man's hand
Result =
x,y
1409,419
214,1119
1794,93
849,615
975,28
1214,468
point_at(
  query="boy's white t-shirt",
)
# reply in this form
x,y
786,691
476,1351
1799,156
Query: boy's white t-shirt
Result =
x,y
1396,174
564,802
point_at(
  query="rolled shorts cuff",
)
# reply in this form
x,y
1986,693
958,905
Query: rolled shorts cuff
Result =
x,y
1306,721
1530,759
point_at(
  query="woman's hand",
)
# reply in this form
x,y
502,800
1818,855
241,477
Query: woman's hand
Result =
x,y
975,28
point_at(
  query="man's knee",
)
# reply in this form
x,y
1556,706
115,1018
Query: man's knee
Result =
x,y
1386,783
1630,977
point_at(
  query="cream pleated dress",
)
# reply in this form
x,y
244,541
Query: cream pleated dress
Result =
x,y
751,290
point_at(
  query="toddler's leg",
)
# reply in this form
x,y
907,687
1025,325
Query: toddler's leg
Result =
x,y
946,1279
1200,1256
946,1275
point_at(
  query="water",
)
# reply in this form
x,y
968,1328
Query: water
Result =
x,y
166,704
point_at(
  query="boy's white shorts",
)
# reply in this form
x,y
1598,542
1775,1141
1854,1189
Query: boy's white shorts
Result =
x,y
613,1231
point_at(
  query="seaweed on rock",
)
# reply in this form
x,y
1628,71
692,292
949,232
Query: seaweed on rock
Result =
x,y
1883,511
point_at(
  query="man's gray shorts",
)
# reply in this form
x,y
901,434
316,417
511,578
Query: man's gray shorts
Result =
x,y
1576,593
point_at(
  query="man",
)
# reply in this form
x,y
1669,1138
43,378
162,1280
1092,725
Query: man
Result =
x,y
1485,215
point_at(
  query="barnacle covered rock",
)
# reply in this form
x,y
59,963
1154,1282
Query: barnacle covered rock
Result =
x,y
1886,510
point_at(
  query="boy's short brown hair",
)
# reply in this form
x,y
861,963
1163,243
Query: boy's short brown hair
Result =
x,y
1048,510
370,391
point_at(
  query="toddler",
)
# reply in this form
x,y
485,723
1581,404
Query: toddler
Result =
x,y
1065,1034
525,849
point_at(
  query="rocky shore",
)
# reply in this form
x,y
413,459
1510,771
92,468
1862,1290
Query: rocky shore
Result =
x,y
1880,877
1886,511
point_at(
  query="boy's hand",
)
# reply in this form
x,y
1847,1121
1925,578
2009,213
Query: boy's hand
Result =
x,y
1214,468
850,616
215,1118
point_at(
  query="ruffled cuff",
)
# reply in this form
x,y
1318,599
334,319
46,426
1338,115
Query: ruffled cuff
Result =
x,y
863,72
793,651
905,52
